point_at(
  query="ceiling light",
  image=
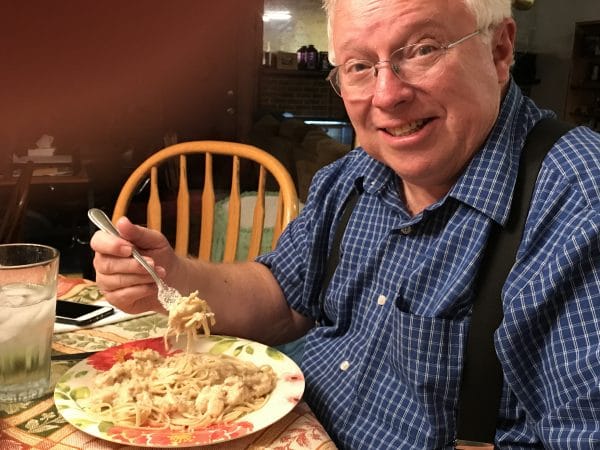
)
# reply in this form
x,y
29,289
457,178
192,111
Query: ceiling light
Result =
x,y
276,15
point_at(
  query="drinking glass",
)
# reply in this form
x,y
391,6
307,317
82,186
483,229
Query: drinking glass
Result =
x,y
28,280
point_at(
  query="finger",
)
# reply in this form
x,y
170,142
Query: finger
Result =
x,y
120,281
134,299
109,244
142,237
110,265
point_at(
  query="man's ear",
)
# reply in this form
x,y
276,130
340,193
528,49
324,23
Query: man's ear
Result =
x,y
503,45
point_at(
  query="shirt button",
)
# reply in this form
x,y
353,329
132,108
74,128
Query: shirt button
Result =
x,y
345,365
381,300
406,230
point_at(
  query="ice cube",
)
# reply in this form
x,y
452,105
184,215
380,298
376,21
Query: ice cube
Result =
x,y
23,307
20,294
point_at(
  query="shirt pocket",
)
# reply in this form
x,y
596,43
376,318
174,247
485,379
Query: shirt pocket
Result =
x,y
426,354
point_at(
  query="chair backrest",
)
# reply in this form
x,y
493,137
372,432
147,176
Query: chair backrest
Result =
x,y
262,163
11,227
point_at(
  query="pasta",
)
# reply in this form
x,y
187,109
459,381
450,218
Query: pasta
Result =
x,y
188,315
183,390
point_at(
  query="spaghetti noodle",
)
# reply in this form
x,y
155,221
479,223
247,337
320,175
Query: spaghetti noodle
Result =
x,y
183,390
187,316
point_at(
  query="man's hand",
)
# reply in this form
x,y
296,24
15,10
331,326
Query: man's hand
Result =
x,y
123,281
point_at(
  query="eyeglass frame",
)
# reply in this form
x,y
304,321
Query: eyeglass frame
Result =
x,y
333,76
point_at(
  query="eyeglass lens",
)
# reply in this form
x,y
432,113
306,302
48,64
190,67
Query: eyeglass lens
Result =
x,y
357,78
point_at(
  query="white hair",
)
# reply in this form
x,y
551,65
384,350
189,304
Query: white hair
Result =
x,y
486,12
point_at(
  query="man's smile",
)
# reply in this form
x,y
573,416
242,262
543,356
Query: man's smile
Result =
x,y
408,128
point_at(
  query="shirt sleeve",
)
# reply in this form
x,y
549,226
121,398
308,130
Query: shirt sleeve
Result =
x,y
288,263
549,342
298,262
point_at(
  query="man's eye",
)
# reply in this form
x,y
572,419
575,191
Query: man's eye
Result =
x,y
423,50
358,67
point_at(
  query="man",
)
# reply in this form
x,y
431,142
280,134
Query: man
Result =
x,y
441,126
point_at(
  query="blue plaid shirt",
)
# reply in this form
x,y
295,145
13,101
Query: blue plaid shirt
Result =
x,y
386,372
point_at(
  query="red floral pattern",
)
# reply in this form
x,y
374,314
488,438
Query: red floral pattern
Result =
x,y
10,444
106,359
164,438
65,284
291,377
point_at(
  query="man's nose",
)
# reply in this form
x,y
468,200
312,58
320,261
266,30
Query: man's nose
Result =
x,y
390,89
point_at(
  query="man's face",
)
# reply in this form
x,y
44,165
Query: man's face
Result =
x,y
426,131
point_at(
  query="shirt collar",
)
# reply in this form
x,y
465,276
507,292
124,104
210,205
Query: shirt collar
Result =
x,y
487,183
375,175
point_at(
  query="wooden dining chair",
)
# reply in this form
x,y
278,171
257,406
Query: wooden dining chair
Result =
x,y
11,227
179,175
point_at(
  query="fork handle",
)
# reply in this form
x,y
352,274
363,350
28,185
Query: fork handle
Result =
x,y
139,258
101,220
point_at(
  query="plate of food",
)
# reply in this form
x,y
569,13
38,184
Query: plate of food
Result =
x,y
179,393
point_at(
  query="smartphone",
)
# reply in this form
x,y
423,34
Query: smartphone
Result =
x,y
80,313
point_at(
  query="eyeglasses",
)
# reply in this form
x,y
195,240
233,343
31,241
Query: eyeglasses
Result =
x,y
356,77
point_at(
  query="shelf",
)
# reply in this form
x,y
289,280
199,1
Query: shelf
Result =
x,y
294,72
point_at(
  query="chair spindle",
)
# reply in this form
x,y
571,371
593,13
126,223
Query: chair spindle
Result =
x,y
258,220
233,217
183,210
154,209
208,210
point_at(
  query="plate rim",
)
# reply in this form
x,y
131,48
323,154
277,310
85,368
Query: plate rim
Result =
x,y
293,377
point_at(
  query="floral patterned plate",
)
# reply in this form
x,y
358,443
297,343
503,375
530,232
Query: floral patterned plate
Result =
x,y
76,383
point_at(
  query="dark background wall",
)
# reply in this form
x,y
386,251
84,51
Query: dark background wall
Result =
x,y
106,76
108,79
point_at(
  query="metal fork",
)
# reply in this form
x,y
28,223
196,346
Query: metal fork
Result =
x,y
167,295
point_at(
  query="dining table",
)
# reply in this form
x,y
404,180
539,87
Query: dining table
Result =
x,y
38,424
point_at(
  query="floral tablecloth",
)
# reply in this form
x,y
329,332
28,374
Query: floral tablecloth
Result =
x,y
38,425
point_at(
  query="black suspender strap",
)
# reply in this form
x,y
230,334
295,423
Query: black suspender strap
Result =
x,y
481,385
334,256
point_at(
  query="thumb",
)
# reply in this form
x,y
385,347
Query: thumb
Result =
x,y
141,237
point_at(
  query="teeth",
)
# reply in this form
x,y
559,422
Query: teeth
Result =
x,y
406,129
